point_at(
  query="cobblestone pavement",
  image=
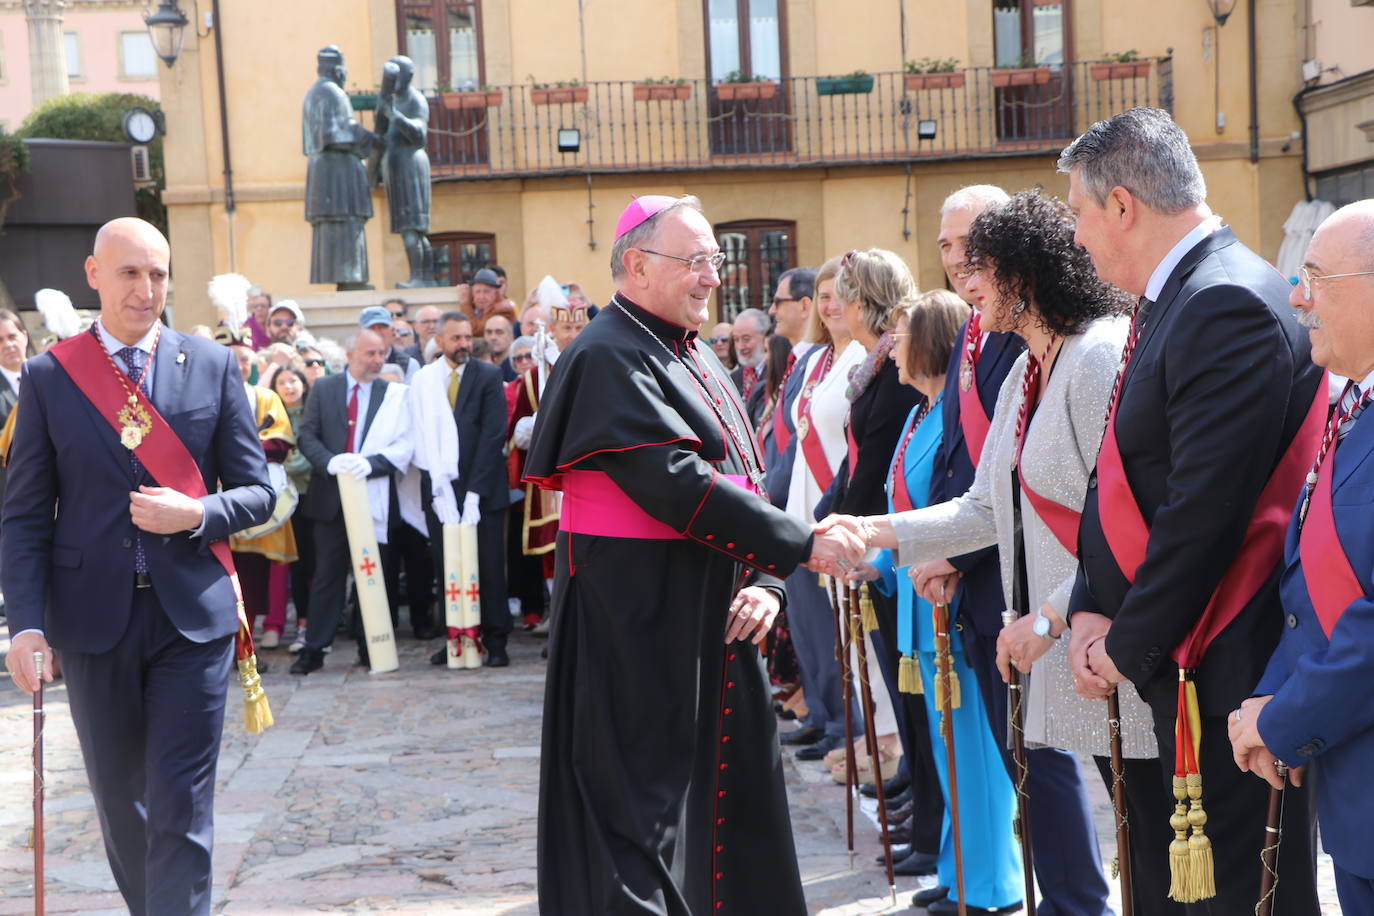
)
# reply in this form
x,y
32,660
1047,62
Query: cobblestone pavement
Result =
x,y
409,792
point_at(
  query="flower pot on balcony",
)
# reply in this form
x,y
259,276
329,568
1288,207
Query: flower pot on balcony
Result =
x,y
915,81
656,92
729,92
1028,76
1126,70
558,95
844,85
455,101
363,101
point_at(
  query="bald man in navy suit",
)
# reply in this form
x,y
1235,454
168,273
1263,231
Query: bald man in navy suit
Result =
x,y
113,569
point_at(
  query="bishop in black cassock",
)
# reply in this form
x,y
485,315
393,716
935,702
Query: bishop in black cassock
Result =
x,y
661,788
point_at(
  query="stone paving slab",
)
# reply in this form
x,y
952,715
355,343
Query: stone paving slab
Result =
x,y
411,792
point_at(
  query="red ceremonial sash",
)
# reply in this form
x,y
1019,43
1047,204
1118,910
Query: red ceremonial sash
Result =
x,y
812,449
1331,583
973,416
781,434
1127,534
1062,521
161,452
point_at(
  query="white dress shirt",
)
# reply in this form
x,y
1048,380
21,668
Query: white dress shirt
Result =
x,y
12,377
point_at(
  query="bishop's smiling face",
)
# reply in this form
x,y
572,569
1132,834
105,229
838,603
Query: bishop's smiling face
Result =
x,y
677,293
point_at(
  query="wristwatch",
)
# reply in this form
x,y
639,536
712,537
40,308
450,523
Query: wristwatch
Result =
x,y
1040,626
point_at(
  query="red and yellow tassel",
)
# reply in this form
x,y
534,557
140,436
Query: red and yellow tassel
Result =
x,y
257,714
1192,871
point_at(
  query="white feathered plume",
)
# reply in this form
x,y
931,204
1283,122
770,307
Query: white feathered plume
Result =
x,y
58,313
550,295
229,293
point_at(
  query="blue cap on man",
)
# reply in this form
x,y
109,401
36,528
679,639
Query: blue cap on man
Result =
x,y
372,316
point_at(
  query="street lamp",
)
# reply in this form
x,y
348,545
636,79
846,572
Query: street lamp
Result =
x,y
166,28
1221,10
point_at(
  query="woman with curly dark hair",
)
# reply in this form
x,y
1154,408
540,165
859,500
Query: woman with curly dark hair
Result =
x,y
1029,278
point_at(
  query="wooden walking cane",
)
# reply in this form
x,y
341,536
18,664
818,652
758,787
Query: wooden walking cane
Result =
x,y
870,729
1018,752
1123,830
38,784
842,649
944,669
1269,853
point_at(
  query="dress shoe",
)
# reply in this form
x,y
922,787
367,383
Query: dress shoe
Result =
x,y
925,898
270,639
440,656
899,800
900,833
818,750
309,660
917,864
498,659
891,787
897,814
951,907
803,736
783,713
899,852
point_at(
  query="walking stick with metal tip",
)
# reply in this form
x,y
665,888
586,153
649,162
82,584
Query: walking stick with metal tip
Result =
x,y
38,784
870,729
1018,750
1269,853
842,650
1123,830
944,667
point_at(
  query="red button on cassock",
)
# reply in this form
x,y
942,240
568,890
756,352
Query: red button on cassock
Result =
x,y
730,545
749,556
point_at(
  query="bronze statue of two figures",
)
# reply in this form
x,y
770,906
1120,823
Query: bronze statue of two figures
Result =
x,y
347,159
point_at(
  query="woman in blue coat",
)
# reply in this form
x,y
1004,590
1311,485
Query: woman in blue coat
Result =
x,y
992,861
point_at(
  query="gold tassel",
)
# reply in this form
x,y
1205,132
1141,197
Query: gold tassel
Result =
x,y
908,675
1180,885
1201,867
257,714
955,694
870,616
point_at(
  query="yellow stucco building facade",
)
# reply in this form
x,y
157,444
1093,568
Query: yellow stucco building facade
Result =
x,y
792,166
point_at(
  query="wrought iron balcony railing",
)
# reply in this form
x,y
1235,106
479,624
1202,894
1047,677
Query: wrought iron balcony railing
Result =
x,y
516,131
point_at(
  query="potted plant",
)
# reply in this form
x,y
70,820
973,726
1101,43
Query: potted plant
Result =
x,y
362,100
738,86
856,83
662,89
1124,66
558,93
1024,73
483,97
930,73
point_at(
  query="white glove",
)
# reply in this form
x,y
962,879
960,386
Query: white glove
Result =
x,y
471,514
524,431
339,464
349,463
445,508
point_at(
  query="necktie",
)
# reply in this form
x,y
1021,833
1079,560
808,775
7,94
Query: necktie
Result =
x,y
136,361
453,382
751,377
352,417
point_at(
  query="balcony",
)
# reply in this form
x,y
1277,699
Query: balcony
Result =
x,y
798,122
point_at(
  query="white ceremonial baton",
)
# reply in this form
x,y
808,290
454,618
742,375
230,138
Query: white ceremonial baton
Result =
x,y
367,571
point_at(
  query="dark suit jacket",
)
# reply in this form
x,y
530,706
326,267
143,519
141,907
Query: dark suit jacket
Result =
x,y
1323,706
324,434
980,595
481,417
778,465
1219,384
753,405
876,418
67,542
